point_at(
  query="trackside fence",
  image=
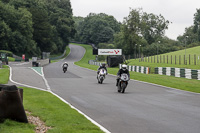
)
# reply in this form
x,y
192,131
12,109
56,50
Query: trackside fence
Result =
x,y
178,72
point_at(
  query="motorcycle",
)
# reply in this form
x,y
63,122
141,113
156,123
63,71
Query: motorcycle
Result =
x,y
101,76
64,69
123,82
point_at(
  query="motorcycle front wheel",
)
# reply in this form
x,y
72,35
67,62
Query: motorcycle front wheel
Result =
x,y
123,86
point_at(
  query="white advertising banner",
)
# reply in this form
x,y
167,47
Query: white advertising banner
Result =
x,y
109,51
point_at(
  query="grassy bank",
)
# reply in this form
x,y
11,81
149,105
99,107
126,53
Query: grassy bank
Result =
x,y
4,75
169,81
161,60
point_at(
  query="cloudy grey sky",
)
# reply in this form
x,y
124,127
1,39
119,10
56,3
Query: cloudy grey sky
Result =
x,y
179,12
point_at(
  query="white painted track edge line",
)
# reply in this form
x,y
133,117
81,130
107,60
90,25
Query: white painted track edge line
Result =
x,y
35,71
46,82
10,78
90,119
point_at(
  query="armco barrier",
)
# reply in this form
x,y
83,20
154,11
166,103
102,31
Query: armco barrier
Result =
x,y
178,72
43,62
140,69
92,62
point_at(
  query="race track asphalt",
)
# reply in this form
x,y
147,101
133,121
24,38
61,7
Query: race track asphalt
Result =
x,y
143,108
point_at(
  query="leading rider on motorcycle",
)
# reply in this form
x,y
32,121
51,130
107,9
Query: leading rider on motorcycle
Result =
x,y
121,71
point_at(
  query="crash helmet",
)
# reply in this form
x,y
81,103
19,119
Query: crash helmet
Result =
x,y
103,64
124,67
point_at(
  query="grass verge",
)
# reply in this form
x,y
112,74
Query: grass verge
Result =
x,y
4,72
169,81
55,113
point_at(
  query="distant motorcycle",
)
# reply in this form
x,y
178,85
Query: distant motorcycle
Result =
x,y
101,76
123,82
65,66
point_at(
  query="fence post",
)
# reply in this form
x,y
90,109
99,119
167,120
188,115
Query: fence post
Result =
x,y
154,58
189,59
171,59
195,59
179,60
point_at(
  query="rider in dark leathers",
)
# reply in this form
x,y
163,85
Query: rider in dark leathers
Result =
x,y
103,66
121,71
65,66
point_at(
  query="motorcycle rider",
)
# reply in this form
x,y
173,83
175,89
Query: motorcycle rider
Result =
x,y
121,71
65,66
103,66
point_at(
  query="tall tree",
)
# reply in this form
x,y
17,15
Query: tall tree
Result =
x,y
97,28
141,28
197,24
16,29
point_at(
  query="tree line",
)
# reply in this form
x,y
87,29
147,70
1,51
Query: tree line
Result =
x,y
139,32
34,26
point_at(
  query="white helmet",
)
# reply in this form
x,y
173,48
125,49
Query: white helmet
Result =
x,y
124,67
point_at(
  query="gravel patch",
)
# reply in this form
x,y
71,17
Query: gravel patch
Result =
x,y
40,125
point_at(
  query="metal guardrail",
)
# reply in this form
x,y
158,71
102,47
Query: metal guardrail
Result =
x,y
92,62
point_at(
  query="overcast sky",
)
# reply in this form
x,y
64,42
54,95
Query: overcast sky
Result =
x,y
179,12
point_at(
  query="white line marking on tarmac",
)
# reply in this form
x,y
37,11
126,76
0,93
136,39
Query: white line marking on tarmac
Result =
x,y
10,78
46,82
35,71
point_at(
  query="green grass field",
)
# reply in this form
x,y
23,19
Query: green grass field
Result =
x,y
169,81
161,60
4,75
